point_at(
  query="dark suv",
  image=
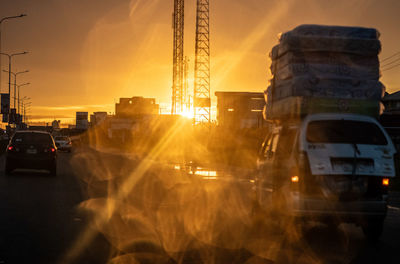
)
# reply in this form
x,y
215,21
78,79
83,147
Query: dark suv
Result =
x,y
31,150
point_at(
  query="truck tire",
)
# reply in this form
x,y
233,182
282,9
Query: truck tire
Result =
x,y
8,168
373,229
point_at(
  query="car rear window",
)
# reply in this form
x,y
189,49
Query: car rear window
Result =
x,y
32,138
345,131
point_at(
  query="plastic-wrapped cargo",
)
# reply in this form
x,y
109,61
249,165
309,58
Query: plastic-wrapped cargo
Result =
x,y
298,107
328,88
308,30
358,62
367,47
325,69
310,38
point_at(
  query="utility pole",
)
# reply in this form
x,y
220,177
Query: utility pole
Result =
x,y
201,95
178,62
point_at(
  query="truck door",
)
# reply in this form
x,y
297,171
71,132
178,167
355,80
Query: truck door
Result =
x,y
283,160
264,181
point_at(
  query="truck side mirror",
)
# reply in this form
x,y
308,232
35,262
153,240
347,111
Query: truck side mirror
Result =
x,y
397,163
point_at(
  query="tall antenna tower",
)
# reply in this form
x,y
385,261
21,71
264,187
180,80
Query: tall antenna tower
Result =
x,y
201,97
178,68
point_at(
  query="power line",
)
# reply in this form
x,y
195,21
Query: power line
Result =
x,y
394,66
391,56
396,60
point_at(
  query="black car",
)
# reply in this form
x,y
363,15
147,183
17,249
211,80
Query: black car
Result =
x,y
31,150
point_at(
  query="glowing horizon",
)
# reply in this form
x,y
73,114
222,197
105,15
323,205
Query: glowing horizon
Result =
x,y
124,48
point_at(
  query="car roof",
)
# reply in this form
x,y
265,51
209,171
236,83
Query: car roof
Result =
x,y
339,116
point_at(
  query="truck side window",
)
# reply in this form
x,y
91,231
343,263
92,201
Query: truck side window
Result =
x,y
270,150
274,143
287,139
265,146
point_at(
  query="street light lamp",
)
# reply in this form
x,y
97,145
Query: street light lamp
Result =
x,y
1,21
23,99
15,84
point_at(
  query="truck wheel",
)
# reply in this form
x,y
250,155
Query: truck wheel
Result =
x,y
373,229
8,168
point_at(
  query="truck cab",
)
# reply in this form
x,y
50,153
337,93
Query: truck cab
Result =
x,y
328,167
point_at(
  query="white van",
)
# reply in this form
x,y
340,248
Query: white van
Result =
x,y
328,167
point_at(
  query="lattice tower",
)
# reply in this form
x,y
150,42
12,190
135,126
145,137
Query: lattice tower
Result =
x,y
201,98
186,95
178,67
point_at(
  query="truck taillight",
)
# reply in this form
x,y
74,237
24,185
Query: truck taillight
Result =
x,y
295,179
385,182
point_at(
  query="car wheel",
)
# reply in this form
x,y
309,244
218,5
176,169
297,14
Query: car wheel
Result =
x,y
373,229
53,170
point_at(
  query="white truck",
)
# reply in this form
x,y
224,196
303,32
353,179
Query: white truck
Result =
x,y
331,168
326,157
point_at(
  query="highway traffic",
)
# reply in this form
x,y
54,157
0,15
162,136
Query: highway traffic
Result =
x,y
75,218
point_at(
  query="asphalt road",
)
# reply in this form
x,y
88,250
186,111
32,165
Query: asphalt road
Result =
x,y
40,222
38,217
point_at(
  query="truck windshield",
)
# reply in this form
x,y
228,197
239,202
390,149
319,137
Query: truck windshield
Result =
x,y
345,131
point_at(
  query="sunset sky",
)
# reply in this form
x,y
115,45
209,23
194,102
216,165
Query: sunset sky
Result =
x,y
85,54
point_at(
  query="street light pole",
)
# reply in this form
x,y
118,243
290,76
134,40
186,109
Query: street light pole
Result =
x,y
18,86
15,83
1,21
24,107
15,86
26,118
9,69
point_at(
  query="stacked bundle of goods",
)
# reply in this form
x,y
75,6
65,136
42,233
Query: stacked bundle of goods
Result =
x,y
325,69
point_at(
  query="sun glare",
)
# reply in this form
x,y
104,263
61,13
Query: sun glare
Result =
x,y
187,114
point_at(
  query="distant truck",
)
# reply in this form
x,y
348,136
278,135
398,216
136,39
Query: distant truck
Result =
x,y
326,157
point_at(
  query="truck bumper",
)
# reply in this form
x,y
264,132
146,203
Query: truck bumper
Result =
x,y
345,211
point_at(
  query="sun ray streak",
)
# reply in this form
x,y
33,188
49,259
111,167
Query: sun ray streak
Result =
x,y
101,217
